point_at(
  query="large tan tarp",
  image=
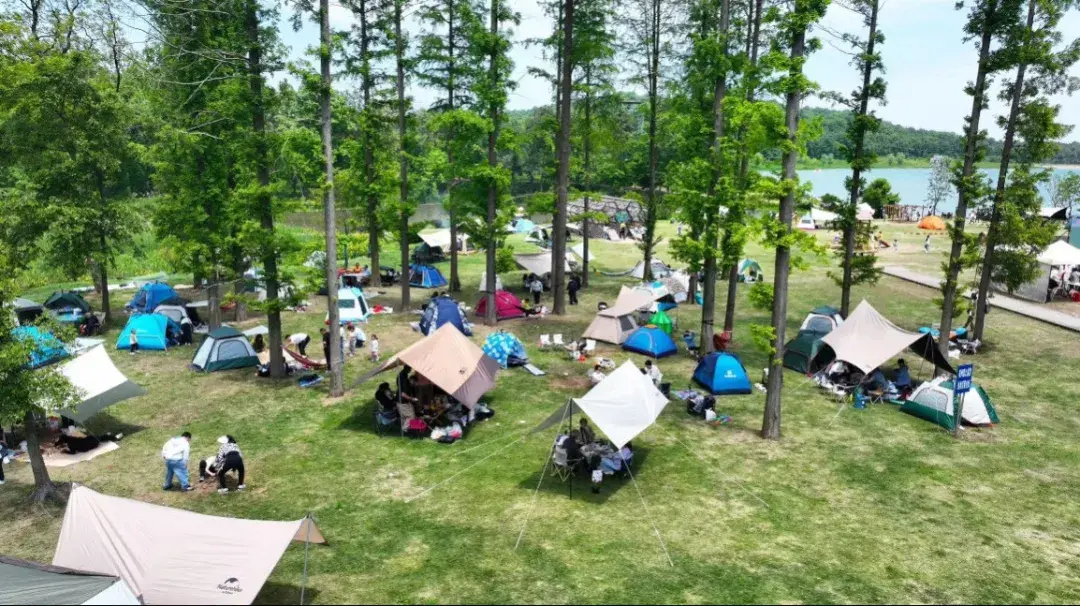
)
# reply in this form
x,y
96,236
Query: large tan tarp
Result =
x,y
451,361
173,556
539,263
615,323
867,340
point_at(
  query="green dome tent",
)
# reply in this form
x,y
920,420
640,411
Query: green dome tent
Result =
x,y
802,349
661,321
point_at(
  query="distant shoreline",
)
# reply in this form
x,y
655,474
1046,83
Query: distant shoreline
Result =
x,y
910,164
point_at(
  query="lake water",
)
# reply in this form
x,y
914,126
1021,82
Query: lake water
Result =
x,y
910,183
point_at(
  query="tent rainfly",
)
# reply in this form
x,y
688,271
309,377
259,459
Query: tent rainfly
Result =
x,y
622,406
451,361
174,556
98,383
866,340
440,238
23,582
579,252
539,263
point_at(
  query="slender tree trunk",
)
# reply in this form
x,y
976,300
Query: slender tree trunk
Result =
x,y
770,427
337,386
856,172
264,201
753,46
999,194
588,177
403,159
374,229
451,72
562,170
708,295
493,139
654,99
103,262
44,489
971,146
213,295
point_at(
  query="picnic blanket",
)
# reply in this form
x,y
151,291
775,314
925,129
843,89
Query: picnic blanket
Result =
x,y
59,459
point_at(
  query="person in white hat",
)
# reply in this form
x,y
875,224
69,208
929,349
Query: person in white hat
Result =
x,y
228,459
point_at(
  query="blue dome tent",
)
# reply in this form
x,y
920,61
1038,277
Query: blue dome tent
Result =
x,y
47,348
523,226
650,341
506,349
152,331
426,276
150,296
722,374
443,310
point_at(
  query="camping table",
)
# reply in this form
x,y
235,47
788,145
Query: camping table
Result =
x,y
593,453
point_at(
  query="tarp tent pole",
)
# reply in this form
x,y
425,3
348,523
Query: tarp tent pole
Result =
x,y
307,549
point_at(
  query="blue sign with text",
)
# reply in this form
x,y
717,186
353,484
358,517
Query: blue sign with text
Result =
x,y
962,385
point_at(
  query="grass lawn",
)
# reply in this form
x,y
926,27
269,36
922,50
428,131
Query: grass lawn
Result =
x,y
865,506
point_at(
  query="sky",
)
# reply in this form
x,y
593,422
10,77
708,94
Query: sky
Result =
x,y
927,63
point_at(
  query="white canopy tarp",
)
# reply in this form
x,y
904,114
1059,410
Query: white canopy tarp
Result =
x,y
1060,253
173,556
579,251
98,382
440,238
539,263
865,212
866,340
1055,214
822,216
622,406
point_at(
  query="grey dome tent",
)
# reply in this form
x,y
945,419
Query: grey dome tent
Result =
x,y
224,349
23,582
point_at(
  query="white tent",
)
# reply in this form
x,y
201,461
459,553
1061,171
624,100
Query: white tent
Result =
x,y
622,406
865,212
1060,253
440,238
483,282
934,402
816,219
539,263
659,270
98,383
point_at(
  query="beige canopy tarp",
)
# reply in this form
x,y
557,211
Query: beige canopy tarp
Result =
x,y
440,238
539,263
451,361
173,556
867,340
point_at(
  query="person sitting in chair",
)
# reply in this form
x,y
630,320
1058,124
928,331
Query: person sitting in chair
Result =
x,y
596,375
903,377
877,380
585,433
653,372
386,399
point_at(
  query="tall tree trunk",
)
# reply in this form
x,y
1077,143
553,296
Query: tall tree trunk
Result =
x,y
753,46
588,176
337,386
562,170
857,170
374,229
971,146
213,295
403,159
451,71
264,201
770,427
654,99
999,194
493,139
708,295
103,262
44,489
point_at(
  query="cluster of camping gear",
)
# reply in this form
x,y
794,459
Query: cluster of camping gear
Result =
x,y
68,308
846,358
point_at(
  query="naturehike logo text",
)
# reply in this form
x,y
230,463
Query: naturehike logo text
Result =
x,y
230,586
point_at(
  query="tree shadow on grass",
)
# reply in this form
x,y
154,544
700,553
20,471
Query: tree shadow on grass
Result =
x,y
104,422
284,593
580,484
362,420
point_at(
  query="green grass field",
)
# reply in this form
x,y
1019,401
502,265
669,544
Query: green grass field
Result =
x,y
857,506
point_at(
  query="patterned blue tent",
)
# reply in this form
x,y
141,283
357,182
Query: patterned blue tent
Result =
x,y
506,349
47,348
443,310
426,276
650,341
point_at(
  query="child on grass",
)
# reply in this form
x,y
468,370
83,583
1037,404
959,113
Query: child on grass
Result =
x,y
374,347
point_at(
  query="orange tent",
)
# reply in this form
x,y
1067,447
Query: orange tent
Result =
x,y
932,223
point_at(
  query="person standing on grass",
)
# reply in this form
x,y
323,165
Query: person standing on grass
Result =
x,y
5,457
350,335
572,288
926,244
175,453
374,347
133,341
537,288
326,347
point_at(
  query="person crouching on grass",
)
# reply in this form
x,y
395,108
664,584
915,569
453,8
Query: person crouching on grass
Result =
x,y
133,341
228,459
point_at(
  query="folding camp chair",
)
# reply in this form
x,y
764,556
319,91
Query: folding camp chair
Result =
x,y
590,346
561,465
545,341
558,340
